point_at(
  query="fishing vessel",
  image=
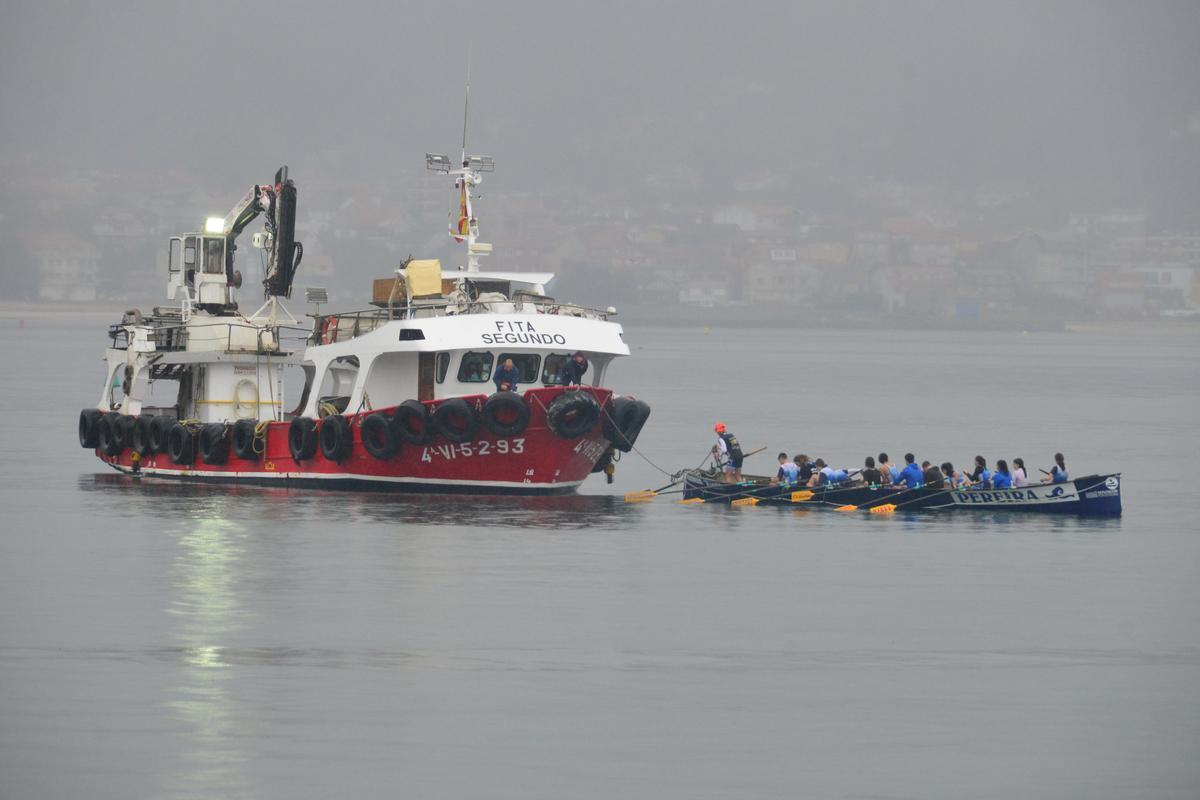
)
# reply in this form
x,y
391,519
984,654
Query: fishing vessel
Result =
x,y
398,396
1090,496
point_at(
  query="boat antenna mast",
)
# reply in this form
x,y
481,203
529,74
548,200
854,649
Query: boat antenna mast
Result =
x,y
464,227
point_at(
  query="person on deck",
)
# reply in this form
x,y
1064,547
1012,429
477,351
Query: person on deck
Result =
x,y
1019,475
805,468
506,377
911,476
932,476
729,454
870,475
573,369
789,472
1058,473
1002,478
982,476
887,470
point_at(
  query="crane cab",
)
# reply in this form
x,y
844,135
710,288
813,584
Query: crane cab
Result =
x,y
198,269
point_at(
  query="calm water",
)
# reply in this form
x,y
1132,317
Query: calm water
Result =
x,y
162,641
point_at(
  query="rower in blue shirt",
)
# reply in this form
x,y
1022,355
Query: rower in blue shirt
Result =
x,y
789,471
911,476
1058,473
1002,478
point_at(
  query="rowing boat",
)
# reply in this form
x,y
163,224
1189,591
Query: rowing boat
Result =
x,y
1089,496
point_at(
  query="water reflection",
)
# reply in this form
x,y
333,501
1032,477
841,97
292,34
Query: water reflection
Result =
x,y
207,613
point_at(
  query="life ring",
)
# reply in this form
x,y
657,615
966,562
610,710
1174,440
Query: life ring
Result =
x,y
302,438
378,436
572,414
411,423
623,421
336,437
455,419
180,445
88,432
245,407
245,439
329,330
159,433
214,443
506,414
108,434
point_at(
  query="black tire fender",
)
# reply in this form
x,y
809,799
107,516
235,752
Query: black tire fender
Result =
x,y
623,422
379,437
336,437
506,404
139,438
456,420
411,423
214,443
572,414
243,439
89,435
302,438
181,445
158,433
108,434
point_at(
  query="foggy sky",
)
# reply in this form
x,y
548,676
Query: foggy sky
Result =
x,y
1087,95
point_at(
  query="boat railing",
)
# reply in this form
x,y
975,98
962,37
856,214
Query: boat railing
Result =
x,y
344,325
229,335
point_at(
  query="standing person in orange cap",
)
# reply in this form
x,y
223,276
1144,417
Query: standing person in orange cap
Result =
x,y
729,454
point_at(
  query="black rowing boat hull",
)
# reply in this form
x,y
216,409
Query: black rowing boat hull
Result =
x,y
1090,496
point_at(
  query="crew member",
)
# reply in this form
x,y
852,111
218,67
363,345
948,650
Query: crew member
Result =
x,y
932,476
506,377
1058,473
911,475
573,369
729,454
827,475
789,472
982,476
887,470
1019,475
804,466
871,475
1002,478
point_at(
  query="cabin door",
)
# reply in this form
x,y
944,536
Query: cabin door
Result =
x,y
425,376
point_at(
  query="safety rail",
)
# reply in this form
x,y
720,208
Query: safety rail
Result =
x,y
174,336
344,325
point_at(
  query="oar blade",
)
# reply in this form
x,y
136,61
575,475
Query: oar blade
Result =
x,y
640,497
801,496
744,501
692,501
847,508
886,508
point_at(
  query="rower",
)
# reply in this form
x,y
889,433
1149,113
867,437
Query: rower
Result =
x,y
982,476
887,470
789,472
804,466
1002,478
729,454
870,474
911,476
932,476
1058,473
827,475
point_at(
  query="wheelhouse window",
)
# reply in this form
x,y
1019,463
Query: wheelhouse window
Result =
x,y
526,365
475,367
554,362
443,364
214,257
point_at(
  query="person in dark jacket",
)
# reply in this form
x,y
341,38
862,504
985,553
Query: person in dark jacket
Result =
x,y
932,475
573,369
506,377
870,473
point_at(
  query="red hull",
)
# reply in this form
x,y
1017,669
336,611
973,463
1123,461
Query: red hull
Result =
x,y
534,462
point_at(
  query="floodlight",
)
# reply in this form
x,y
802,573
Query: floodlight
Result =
x,y
313,294
481,163
437,162
214,225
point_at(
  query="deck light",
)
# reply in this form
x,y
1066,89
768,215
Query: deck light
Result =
x,y
214,225
437,162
